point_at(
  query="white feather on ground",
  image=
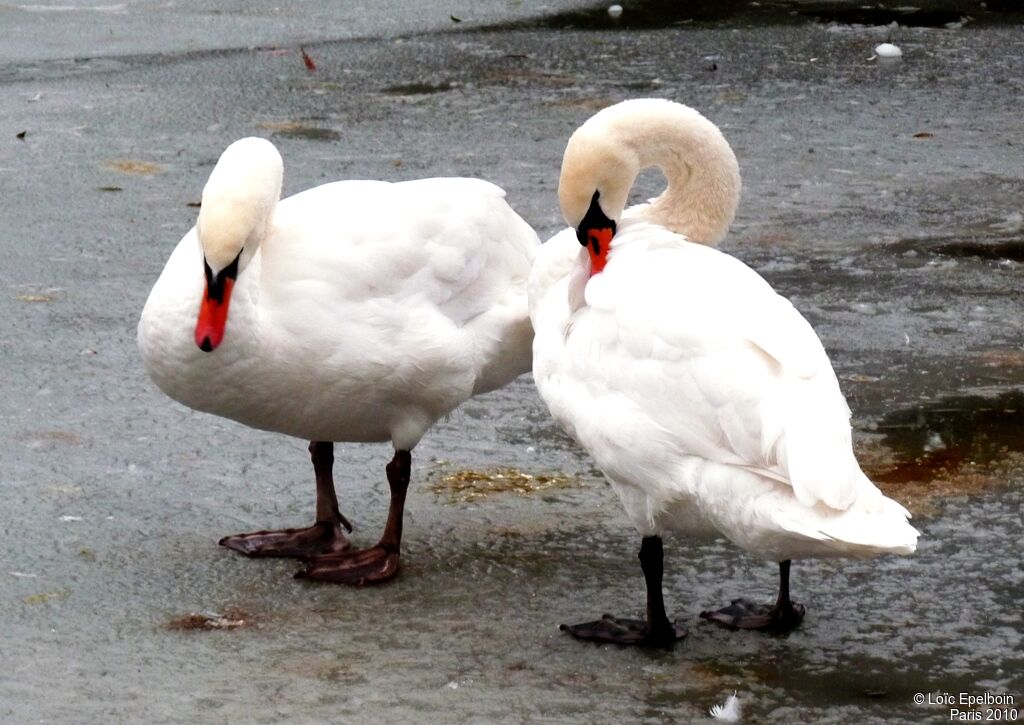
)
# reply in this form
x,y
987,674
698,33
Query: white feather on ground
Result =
x,y
730,711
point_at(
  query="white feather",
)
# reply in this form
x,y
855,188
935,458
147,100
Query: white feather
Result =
x,y
730,711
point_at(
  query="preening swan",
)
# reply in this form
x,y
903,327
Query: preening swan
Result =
x,y
704,397
354,311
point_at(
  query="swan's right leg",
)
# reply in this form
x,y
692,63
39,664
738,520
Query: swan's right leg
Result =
x,y
323,537
785,615
656,630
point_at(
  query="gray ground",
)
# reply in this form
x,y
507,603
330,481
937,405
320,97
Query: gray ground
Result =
x,y
884,198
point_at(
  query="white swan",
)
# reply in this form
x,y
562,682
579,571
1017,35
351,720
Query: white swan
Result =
x,y
354,311
705,398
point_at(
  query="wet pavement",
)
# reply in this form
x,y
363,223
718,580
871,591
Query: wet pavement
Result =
x,y
883,197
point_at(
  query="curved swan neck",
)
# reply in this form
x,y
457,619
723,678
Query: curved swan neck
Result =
x,y
703,180
608,151
238,201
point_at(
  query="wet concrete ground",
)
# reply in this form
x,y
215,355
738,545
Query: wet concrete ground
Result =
x,y
883,197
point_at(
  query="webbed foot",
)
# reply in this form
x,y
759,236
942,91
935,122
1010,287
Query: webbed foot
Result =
x,y
626,632
323,537
358,568
745,614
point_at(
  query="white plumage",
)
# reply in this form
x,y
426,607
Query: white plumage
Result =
x,y
705,398
688,379
362,310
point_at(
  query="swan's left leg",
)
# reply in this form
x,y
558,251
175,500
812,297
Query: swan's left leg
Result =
x,y
323,537
656,630
784,616
378,563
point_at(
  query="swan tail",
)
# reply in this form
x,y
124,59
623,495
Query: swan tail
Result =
x,y
858,531
817,448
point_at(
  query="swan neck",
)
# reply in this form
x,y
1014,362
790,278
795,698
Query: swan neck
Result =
x,y
700,199
607,153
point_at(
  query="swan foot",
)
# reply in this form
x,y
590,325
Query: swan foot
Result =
x,y
745,614
626,632
656,630
358,568
376,564
784,616
323,537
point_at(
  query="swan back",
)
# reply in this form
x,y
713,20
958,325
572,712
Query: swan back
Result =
x,y
239,200
607,152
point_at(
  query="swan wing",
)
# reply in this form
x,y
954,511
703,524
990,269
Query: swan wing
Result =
x,y
452,243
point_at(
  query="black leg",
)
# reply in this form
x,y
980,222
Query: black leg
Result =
x,y
379,563
784,616
322,455
323,537
656,630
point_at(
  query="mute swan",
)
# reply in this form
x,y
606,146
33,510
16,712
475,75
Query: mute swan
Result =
x,y
704,397
355,311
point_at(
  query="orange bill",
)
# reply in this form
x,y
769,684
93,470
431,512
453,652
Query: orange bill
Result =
x,y
213,316
599,240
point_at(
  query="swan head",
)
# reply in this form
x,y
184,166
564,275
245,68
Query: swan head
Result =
x,y
605,154
237,206
593,188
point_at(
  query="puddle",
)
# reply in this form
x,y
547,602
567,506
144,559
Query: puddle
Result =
x,y
955,446
1011,250
654,14
296,129
470,485
905,15
644,15
417,89
987,248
